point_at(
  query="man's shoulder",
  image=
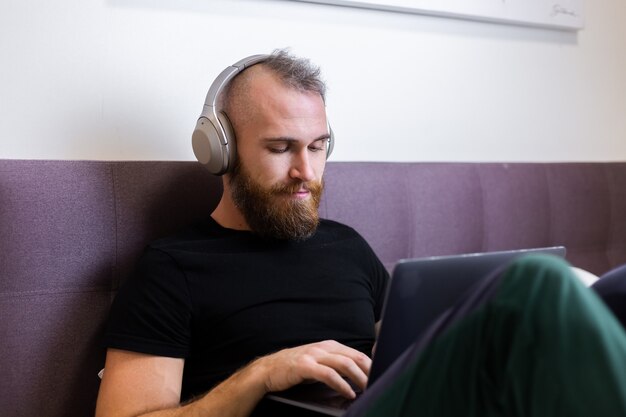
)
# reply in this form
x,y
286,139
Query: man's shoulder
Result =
x,y
337,229
208,236
333,224
205,232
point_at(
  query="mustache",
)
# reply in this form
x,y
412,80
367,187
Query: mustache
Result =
x,y
313,187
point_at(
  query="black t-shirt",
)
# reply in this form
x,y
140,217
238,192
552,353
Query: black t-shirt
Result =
x,y
220,298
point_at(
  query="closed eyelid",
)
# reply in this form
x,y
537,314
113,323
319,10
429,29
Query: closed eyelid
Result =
x,y
318,144
279,142
279,145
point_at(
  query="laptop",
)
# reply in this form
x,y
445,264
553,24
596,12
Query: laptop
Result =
x,y
420,290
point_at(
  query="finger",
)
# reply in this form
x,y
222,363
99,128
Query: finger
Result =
x,y
333,379
362,360
346,367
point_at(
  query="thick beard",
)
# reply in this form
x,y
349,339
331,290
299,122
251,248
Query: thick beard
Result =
x,y
270,212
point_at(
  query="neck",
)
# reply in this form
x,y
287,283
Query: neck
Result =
x,y
228,215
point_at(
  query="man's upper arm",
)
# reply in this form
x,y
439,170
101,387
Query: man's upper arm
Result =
x,y
135,383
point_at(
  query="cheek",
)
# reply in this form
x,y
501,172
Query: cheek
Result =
x,y
320,166
257,166
271,172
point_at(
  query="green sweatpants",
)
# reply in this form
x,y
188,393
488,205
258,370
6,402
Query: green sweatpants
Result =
x,y
542,344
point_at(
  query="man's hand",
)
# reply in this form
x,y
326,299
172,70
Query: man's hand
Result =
x,y
328,362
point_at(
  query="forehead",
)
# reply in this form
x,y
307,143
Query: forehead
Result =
x,y
262,101
267,92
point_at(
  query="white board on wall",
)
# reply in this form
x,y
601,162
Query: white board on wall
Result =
x,y
558,14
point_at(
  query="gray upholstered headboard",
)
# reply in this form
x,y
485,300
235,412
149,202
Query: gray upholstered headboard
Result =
x,y
70,232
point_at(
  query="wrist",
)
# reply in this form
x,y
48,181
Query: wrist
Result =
x,y
257,375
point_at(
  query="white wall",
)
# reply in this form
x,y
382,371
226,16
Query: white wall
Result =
x,y
126,79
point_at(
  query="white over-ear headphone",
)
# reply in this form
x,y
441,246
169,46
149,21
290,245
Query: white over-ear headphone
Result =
x,y
213,139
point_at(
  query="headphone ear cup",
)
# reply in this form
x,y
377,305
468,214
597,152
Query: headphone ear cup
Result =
x,y
230,149
331,142
207,145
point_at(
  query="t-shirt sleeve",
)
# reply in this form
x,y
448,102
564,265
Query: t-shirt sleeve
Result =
x,y
378,274
152,310
380,279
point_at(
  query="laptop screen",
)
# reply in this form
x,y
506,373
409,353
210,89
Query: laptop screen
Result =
x,y
421,290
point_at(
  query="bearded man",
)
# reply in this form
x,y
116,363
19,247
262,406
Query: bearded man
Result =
x,y
262,295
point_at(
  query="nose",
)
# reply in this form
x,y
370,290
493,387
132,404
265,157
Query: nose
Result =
x,y
301,167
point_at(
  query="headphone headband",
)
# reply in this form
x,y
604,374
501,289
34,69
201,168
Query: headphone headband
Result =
x,y
224,78
213,139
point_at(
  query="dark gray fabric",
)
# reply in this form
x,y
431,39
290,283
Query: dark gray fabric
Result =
x,y
70,232
611,287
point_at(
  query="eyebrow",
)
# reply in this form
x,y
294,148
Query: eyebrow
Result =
x,y
289,139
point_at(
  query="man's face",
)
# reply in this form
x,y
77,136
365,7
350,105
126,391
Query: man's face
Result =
x,y
281,145
270,211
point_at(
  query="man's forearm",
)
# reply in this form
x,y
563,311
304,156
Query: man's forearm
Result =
x,y
235,397
327,361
